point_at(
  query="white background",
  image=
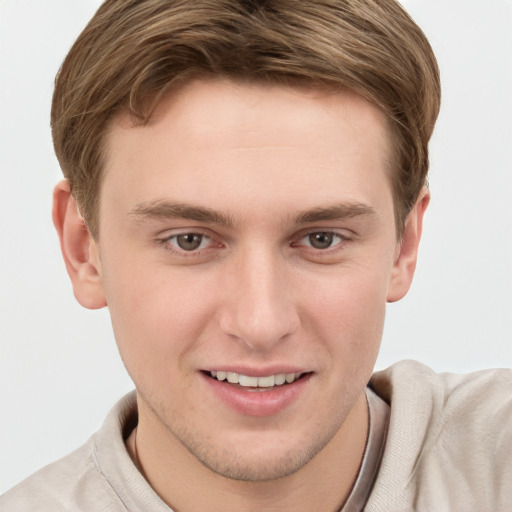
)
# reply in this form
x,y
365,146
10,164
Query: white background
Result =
x,y
59,369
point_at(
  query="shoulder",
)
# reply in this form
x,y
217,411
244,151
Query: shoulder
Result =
x,y
449,439
407,381
83,479
60,486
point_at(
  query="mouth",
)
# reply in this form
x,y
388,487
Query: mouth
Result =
x,y
255,383
254,395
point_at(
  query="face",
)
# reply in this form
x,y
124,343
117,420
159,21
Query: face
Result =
x,y
247,235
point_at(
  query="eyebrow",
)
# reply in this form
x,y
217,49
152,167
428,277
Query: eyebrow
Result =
x,y
162,209
335,212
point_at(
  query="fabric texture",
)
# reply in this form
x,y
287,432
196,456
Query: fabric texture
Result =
x,y
448,448
378,420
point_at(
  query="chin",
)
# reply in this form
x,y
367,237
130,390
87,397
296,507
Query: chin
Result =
x,y
255,458
255,469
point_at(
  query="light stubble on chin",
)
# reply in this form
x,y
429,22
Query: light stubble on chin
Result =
x,y
233,464
236,466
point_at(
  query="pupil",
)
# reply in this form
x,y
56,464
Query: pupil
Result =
x,y
189,241
321,240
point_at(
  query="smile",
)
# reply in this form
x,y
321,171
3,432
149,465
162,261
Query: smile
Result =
x,y
257,395
267,381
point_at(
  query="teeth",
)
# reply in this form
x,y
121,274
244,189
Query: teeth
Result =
x,y
248,381
266,382
233,377
256,382
280,378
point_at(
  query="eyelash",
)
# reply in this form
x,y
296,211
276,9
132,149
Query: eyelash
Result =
x,y
169,245
334,234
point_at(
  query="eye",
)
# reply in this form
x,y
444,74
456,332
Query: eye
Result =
x,y
322,239
189,241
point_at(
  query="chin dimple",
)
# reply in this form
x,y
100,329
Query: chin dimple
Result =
x,y
267,381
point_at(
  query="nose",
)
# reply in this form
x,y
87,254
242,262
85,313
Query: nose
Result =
x,y
259,309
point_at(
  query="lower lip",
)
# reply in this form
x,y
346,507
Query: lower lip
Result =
x,y
253,402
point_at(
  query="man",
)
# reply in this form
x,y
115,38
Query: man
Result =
x,y
245,190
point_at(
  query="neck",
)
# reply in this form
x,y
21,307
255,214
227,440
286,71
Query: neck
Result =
x,y
188,486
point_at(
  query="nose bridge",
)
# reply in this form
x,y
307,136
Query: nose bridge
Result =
x,y
259,310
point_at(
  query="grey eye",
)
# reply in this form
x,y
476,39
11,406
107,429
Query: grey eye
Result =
x,y
189,241
321,240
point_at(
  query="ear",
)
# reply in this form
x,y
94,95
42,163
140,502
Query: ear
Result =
x,y
407,250
78,248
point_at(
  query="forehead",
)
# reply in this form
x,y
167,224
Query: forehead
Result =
x,y
282,142
202,107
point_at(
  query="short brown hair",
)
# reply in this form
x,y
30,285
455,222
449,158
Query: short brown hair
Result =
x,y
133,51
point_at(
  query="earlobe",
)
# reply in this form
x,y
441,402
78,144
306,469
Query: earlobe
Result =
x,y
405,262
78,248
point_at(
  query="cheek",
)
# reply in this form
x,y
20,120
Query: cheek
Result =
x,y
349,311
157,316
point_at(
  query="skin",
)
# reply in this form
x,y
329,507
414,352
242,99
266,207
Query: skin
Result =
x,y
256,172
